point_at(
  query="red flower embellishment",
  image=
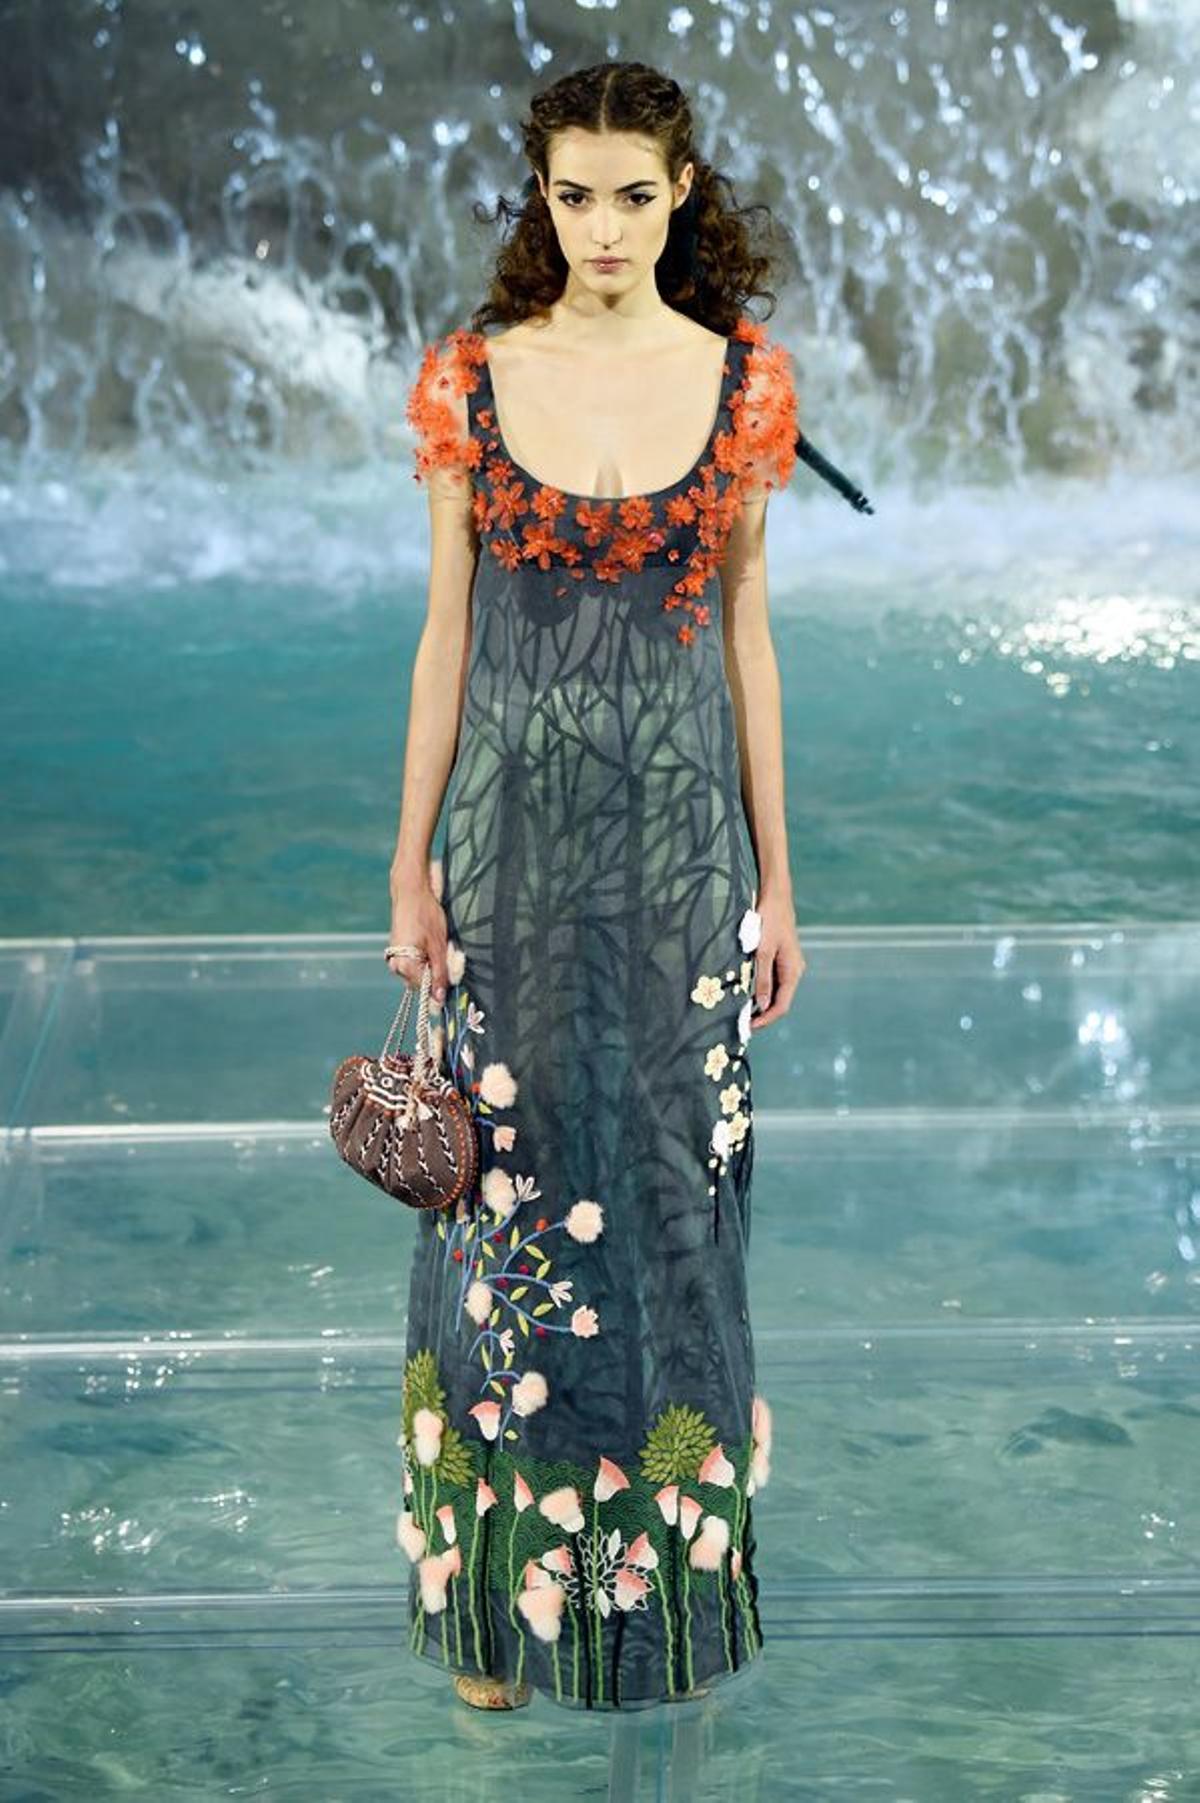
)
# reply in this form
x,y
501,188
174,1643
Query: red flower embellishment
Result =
x,y
542,545
596,520
548,503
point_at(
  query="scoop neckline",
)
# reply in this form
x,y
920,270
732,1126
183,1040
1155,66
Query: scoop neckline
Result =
x,y
650,494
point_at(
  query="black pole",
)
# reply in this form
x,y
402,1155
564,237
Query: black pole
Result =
x,y
829,473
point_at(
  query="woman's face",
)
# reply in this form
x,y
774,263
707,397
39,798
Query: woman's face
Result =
x,y
609,195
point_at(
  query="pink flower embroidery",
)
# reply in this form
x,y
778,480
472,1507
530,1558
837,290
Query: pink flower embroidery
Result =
x,y
427,1436
487,1414
630,1588
689,1514
710,1544
668,1501
542,1608
716,1468
522,1494
563,1508
609,1479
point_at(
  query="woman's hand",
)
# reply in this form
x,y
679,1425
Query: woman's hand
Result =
x,y
779,962
419,919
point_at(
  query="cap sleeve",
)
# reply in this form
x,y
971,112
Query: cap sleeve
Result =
x,y
437,409
768,417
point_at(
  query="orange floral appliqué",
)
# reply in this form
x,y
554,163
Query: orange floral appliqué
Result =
x,y
757,452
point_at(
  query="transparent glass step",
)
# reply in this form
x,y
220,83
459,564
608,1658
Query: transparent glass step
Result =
x,y
252,1027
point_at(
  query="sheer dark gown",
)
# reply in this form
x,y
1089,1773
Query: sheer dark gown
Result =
x,y
581,1432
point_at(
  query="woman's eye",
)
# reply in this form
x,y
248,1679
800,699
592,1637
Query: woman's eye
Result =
x,y
642,199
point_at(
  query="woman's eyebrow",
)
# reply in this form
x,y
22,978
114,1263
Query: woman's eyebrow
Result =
x,y
562,181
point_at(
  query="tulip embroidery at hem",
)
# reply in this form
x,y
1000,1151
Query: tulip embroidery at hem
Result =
x,y
606,1586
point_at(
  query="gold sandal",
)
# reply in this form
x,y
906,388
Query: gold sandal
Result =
x,y
482,1692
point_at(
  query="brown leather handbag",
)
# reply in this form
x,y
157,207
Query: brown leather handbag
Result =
x,y
400,1121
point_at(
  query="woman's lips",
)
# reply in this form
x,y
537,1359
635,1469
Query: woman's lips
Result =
x,y
608,262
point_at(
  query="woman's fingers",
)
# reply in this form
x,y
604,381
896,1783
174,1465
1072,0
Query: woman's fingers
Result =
x,y
412,969
777,976
404,964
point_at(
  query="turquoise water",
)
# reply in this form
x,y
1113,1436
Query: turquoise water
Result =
x,y
991,706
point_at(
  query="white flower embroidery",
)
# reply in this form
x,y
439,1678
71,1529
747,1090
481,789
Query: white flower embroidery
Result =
x,y
729,1098
478,1302
744,1022
750,930
718,1058
498,1191
497,1086
585,1221
610,1575
708,991
529,1393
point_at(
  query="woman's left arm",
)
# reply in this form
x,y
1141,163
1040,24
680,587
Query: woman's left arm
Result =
x,y
753,673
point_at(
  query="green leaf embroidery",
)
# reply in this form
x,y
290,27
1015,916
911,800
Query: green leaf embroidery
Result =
x,y
678,1443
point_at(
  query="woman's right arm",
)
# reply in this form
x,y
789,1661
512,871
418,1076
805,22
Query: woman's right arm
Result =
x,y
440,666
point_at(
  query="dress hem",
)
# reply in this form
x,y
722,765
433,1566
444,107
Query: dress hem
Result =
x,y
719,1678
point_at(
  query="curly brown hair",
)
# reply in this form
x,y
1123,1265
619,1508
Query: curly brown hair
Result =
x,y
716,256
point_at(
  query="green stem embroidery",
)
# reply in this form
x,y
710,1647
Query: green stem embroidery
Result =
x,y
471,1595
557,1672
512,1595
666,1609
745,1610
584,1602
722,1604
687,1616
598,1662
575,1645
